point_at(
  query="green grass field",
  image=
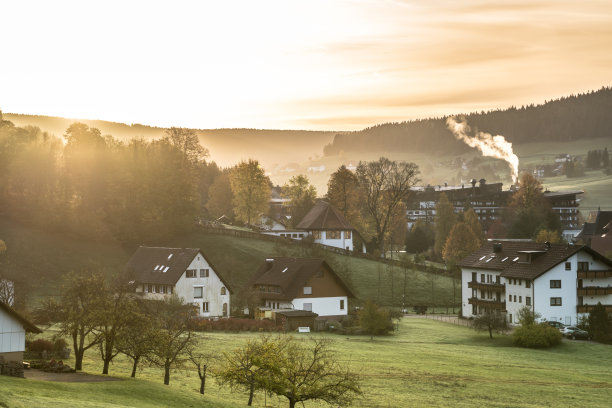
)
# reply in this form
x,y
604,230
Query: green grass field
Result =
x,y
426,363
42,257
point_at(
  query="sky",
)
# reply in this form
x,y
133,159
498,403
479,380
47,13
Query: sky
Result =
x,y
317,65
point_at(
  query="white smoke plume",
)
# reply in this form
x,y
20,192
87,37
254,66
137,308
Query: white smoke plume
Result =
x,y
490,146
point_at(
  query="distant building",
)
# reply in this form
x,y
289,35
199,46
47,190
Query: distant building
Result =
x,y
596,228
159,272
489,202
561,282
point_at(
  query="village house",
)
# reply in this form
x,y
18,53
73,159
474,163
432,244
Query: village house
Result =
x,y
159,272
300,284
13,328
561,282
327,226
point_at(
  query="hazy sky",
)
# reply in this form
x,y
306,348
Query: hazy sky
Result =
x,y
301,65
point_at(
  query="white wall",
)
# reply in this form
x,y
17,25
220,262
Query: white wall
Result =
x,y
12,334
211,289
517,288
342,242
467,293
566,313
325,306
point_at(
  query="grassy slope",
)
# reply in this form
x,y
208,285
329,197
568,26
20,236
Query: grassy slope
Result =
x,y
426,363
43,256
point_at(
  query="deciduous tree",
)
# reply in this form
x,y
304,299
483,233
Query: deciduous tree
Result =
x,y
251,190
445,219
385,185
528,210
460,243
491,321
302,196
220,197
375,320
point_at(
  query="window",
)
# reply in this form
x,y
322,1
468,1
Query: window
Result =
x,y
191,273
205,307
162,289
170,290
555,284
555,301
509,298
520,282
198,292
204,273
568,266
307,307
515,298
332,234
520,299
341,304
497,279
527,284
316,234
583,266
347,234
223,290
482,278
308,290
527,300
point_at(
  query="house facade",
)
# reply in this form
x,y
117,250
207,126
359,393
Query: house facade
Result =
x,y
300,284
328,226
160,272
13,328
561,282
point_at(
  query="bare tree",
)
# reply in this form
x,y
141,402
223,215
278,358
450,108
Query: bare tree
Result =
x,y
385,185
492,322
202,361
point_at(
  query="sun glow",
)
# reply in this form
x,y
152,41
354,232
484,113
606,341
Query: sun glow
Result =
x,y
278,64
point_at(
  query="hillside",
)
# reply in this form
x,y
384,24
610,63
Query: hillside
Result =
x,y
273,148
39,258
576,117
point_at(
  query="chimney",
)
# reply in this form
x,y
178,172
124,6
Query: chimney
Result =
x,y
473,181
482,182
547,245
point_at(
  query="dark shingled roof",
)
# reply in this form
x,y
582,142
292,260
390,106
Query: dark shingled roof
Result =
x,y
291,274
324,216
29,327
174,261
506,260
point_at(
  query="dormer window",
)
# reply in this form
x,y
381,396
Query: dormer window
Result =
x,y
308,290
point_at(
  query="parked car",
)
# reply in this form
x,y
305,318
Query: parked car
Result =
x,y
556,325
573,332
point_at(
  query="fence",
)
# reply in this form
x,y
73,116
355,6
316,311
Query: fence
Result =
x,y
453,319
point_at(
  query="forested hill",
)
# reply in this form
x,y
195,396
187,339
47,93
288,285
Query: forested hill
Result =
x,y
226,146
583,116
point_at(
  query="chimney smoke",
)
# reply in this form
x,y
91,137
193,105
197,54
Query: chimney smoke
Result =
x,y
489,146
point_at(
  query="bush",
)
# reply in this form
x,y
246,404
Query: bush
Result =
x,y
537,335
40,345
59,344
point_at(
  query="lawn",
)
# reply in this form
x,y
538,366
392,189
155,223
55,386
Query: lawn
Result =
x,y
425,363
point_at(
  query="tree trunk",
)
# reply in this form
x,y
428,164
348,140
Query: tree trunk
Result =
x,y
203,380
134,366
106,364
291,403
166,374
251,392
490,332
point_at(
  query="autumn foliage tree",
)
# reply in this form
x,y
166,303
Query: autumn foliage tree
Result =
x,y
460,243
445,219
528,210
250,189
302,196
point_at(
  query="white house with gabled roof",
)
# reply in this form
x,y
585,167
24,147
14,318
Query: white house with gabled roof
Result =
x,y
159,272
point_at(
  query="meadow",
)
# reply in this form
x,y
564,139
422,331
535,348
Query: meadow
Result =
x,y
42,257
424,363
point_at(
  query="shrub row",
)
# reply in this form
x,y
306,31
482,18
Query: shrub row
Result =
x,y
537,335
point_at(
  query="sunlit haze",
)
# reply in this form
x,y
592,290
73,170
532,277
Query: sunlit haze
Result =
x,y
331,65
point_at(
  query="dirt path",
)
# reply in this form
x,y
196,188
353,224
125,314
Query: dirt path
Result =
x,y
33,374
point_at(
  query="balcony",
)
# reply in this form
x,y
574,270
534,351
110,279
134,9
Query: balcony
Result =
x,y
488,303
594,291
594,274
588,308
498,287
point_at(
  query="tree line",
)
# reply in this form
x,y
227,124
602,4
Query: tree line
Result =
x,y
576,117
